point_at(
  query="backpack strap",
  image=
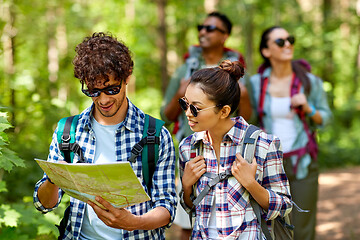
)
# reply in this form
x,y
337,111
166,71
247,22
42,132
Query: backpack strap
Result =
x,y
248,152
215,179
149,146
249,142
66,139
295,88
251,136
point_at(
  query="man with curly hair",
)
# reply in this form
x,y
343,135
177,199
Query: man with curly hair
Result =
x,y
106,132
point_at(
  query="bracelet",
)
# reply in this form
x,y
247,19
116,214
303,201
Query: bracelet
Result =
x,y
313,111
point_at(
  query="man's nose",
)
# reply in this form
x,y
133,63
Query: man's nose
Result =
x,y
103,98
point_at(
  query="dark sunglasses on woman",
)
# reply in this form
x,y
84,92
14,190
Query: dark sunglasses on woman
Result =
x,y
111,90
194,110
281,42
209,28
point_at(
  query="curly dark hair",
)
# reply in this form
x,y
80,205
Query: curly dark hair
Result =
x,y
99,56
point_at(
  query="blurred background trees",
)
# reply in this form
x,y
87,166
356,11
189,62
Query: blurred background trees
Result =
x,y
37,86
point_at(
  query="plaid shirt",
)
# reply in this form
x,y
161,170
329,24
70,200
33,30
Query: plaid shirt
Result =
x,y
235,218
163,192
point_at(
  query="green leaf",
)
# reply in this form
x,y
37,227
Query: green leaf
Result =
x,y
8,159
10,216
3,186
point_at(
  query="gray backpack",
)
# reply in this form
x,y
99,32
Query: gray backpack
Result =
x,y
282,229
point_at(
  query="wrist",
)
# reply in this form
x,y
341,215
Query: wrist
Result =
x,y
312,111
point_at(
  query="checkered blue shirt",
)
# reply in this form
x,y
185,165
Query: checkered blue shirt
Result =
x,y
235,218
163,192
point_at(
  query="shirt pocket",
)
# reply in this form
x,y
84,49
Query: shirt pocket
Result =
x,y
237,197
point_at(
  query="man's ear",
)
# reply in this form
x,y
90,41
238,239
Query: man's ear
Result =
x,y
127,80
225,37
225,111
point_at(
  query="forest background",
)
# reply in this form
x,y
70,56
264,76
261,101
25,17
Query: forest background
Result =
x,y
38,88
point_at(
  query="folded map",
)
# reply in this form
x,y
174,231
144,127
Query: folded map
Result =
x,y
114,182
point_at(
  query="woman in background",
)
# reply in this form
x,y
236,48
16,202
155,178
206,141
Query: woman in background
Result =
x,y
290,103
225,212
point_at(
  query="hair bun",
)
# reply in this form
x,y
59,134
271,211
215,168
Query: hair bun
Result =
x,y
235,69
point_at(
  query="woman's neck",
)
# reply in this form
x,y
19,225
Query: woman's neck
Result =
x,y
217,134
281,69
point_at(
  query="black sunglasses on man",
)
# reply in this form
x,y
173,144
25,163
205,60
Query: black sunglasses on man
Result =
x,y
210,28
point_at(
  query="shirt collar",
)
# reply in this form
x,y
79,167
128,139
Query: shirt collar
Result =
x,y
237,132
267,72
130,122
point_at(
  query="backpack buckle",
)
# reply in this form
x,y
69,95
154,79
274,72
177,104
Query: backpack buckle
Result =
x,y
65,146
67,139
74,147
150,140
223,176
137,149
151,132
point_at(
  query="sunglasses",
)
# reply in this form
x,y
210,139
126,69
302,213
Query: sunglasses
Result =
x,y
210,28
112,90
281,42
194,110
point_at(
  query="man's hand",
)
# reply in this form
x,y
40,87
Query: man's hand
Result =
x,y
119,218
243,171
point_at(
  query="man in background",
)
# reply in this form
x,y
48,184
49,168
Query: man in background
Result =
x,y
213,33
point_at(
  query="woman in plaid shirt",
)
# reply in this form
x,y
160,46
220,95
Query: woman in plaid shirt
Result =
x,y
225,212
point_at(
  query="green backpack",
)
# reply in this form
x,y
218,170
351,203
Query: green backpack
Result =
x,y
149,144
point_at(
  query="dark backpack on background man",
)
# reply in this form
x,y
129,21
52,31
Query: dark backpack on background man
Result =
x,y
149,145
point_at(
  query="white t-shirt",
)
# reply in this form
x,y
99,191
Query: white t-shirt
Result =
x,y
92,226
283,124
213,233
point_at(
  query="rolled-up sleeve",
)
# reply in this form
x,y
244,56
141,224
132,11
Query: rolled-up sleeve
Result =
x,y
54,156
164,191
276,183
318,98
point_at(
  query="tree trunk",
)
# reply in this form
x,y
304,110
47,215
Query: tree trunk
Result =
x,y
328,68
52,52
162,44
8,39
249,37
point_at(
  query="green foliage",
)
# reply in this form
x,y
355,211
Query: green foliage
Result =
x,y
141,100
8,158
339,144
42,88
17,220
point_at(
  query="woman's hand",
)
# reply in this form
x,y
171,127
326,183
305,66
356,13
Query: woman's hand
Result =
x,y
243,171
299,100
194,169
